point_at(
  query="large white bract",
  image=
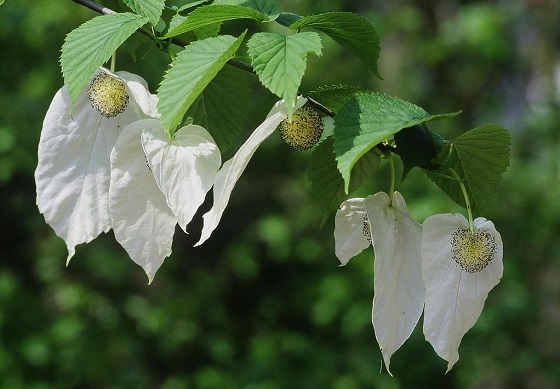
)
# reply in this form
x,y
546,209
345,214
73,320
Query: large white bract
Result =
x,y
72,175
396,237
232,169
459,269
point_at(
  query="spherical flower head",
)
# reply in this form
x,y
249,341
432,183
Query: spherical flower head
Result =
x,y
303,130
460,265
107,94
73,171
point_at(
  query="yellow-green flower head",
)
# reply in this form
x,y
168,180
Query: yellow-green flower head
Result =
x,y
472,250
304,129
107,94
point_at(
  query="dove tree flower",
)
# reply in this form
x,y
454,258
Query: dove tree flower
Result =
x,y
155,184
396,238
72,175
232,169
461,263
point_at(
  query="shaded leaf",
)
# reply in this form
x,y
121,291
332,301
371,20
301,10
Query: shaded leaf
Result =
x,y
349,30
223,106
327,184
193,69
417,146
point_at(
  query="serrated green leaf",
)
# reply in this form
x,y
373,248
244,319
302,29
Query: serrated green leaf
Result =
x,y
352,31
208,31
417,146
279,60
213,14
286,19
327,184
223,106
191,71
89,46
484,156
368,119
150,9
271,8
335,96
443,178
192,5
480,156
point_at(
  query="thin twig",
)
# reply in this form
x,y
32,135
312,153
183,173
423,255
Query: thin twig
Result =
x,y
95,7
233,62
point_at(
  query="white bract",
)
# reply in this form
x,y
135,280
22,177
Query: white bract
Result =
x,y
460,267
232,169
184,168
157,183
396,238
72,175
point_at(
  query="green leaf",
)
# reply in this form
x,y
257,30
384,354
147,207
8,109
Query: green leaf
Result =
x,y
271,8
349,30
223,106
327,184
192,5
368,119
479,156
89,46
191,71
443,178
279,60
334,97
150,9
484,156
214,14
417,146
286,19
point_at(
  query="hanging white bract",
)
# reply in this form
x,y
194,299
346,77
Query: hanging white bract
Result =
x,y
72,175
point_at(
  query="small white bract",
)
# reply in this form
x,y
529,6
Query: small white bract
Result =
x,y
232,169
459,269
396,238
72,175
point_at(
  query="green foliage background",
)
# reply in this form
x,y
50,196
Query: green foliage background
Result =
x,y
263,304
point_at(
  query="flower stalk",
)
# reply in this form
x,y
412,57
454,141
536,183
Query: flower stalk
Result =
x,y
466,197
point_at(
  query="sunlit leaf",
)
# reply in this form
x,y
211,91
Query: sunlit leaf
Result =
x,y
193,69
280,60
214,14
368,119
150,9
90,45
271,8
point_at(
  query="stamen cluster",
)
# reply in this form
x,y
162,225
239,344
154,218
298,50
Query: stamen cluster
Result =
x,y
107,94
304,129
473,251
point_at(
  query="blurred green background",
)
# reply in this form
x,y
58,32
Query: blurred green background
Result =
x,y
263,304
